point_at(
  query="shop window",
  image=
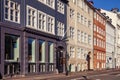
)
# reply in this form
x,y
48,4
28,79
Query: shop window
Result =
x,y
11,47
41,50
31,50
50,52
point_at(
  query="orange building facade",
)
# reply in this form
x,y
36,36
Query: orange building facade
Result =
x,y
99,40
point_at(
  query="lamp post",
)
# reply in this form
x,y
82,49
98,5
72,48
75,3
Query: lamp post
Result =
x,y
66,65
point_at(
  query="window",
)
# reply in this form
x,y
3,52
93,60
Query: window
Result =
x,y
95,15
85,37
94,41
71,32
79,3
31,50
41,21
82,37
72,52
43,1
50,24
89,39
50,3
78,17
79,36
74,1
94,27
82,19
83,4
60,7
41,50
72,13
60,29
89,24
11,47
82,53
31,17
12,11
50,52
85,21
78,53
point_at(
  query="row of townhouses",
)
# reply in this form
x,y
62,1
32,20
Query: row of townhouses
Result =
x,y
56,36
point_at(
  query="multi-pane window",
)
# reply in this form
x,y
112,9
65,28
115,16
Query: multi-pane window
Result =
x,y
50,24
60,28
60,7
12,11
11,47
43,1
50,3
82,37
85,37
71,32
89,39
83,4
85,21
78,53
78,17
41,21
78,35
82,53
31,17
89,23
72,13
72,52
94,41
82,19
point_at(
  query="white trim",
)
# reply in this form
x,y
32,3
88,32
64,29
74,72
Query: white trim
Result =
x,y
29,7
14,11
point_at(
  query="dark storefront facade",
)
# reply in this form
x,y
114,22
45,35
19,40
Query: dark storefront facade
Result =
x,y
30,33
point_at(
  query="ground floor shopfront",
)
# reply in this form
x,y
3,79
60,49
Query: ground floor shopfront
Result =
x,y
26,51
99,59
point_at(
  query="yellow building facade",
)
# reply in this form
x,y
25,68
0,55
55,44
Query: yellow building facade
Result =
x,y
80,35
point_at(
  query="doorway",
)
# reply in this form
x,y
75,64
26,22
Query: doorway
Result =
x,y
59,59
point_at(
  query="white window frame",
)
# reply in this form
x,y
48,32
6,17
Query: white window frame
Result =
x,y
52,24
43,20
49,5
35,16
72,33
60,7
14,9
60,28
72,13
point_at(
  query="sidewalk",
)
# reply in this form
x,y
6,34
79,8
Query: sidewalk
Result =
x,y
62,75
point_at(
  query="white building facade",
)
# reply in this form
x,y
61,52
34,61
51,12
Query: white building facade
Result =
x,y
110,44
115,16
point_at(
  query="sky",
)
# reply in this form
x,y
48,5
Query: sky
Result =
x,y
107,4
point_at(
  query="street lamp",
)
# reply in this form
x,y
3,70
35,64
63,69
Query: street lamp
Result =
x,y
66,65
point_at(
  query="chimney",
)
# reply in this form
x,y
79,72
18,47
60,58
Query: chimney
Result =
x,y
91,2
115,10
65,1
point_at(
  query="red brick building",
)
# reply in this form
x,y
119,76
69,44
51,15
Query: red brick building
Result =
x,y
99,40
